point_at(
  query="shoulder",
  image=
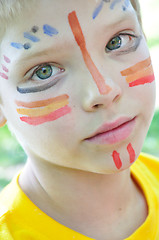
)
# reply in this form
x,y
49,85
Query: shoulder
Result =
x,y
148,166
8,196
150,162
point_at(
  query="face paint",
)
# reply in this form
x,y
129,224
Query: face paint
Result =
x,y
16,45
126,5
44,111
35,29
116,156
117,160
42,103
27,46
99,8
31,37
50,31
139,74
3,75
131,152
34,112
79,37
6,59
114,3
5,69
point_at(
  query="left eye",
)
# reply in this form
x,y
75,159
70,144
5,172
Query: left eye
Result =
x,y
120,41
114,43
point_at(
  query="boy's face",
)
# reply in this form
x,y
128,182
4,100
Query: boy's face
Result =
x,y
72,69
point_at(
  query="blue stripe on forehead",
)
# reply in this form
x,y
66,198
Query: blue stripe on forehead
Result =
x,y
114,3
48,30
17,45
98,9
31,37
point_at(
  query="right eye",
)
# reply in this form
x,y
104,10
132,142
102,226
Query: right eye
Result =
x,y
45,71
41,78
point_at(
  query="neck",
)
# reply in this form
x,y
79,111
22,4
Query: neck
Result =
x,y
73,196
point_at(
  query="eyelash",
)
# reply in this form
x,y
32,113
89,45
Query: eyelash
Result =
x,y
130,47
44,84
53,65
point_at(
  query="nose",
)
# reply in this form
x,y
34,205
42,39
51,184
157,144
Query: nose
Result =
x,y
92,99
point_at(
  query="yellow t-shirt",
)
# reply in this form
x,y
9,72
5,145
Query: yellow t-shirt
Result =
x,y
20,219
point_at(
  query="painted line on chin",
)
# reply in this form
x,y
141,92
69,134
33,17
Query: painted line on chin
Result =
x,y
131,152
117,160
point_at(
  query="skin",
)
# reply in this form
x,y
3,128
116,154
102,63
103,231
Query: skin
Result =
x,y
71,180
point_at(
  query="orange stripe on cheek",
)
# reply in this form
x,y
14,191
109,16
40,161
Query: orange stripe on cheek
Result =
x,y
42,103
137,67
42,111
145,72
79,37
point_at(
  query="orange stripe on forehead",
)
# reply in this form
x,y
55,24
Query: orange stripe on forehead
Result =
x,y
42,103
137,67
79,37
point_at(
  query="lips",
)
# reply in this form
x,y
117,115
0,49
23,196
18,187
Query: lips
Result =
x,y
111,133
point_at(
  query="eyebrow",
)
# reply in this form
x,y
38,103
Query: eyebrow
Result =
x,y
58,46
122,18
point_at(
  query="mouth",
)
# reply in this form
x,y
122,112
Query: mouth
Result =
x,y
111,133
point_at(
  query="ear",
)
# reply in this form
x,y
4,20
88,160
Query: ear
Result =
x,y
2,119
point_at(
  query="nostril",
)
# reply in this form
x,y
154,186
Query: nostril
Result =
x,y
116,98
97,105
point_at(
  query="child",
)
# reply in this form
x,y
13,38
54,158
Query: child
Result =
x,y
77,89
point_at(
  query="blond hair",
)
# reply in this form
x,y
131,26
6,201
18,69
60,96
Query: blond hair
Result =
x,y
11,8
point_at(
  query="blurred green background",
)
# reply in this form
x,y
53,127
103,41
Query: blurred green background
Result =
x,y
12,156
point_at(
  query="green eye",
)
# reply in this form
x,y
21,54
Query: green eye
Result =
x,y
44,72
114,44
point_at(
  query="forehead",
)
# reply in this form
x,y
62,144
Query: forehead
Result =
x,y
56,12
94,16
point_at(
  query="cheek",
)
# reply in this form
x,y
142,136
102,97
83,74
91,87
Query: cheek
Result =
x,y
39,112
5,68
139,74
118,160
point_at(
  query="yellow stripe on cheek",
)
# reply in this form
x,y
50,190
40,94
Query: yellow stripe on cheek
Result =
x,y
37,112
140,74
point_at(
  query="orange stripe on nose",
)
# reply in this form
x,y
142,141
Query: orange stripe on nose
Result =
x,y
79,37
